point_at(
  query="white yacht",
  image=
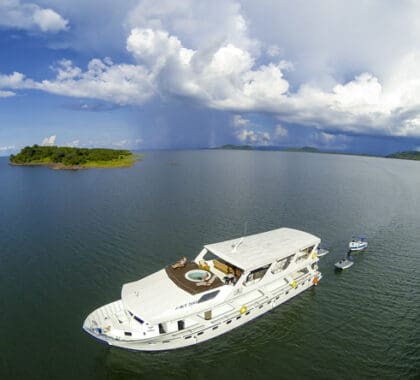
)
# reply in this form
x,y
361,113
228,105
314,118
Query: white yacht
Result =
x,y
226,285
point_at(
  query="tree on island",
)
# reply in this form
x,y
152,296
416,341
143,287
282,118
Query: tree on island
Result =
x,y
67,156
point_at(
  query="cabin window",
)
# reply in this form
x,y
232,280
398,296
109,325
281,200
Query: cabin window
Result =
x,y
208,296
210,256
162,329
181,325
139,320
127,333
281,264
304,253
256,275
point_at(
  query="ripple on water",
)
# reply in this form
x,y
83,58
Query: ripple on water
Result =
x,y
70,240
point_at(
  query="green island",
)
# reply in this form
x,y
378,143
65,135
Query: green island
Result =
x,y
60,157
307,149
236,147
407,155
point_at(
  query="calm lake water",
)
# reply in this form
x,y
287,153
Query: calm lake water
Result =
x,y
70,239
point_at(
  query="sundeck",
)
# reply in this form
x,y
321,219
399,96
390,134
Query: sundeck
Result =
x,y
226,285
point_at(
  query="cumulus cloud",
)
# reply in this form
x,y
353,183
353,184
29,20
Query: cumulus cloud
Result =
x,y
29,16
180,51
73,144
246,132
119,83
280,132
6,94
202,26
251,137
116,83
49,20
274,51
239,121
7,148
155,47
328,141
121,143
15,80
49,141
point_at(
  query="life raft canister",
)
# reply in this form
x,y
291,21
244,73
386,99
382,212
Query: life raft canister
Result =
x,y
293,284
243,309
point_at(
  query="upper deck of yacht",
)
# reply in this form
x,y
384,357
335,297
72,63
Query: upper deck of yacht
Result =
x,y
253,251
177,275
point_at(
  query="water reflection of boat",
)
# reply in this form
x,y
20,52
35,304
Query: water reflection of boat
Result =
x,y
226,285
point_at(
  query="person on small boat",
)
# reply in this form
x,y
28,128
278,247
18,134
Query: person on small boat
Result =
x,y
180,263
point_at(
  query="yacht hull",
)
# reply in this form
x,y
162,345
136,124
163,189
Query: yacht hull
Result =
x,y
209,329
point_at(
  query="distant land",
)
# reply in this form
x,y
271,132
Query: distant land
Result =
x,y
60,157
271,148
237,147
406,155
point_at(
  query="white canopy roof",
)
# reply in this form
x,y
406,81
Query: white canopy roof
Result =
x,y
254,251
154,298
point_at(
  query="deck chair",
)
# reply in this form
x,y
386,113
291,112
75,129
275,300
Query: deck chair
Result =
x,y
207,283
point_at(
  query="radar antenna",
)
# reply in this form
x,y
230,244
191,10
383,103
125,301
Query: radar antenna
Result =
x,y
235,246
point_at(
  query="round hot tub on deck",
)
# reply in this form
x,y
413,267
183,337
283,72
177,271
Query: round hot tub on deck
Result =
x,y
197,275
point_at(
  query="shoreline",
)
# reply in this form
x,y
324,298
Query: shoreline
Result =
x,y
125,163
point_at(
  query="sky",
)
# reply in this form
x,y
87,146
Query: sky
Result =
x,y
181,74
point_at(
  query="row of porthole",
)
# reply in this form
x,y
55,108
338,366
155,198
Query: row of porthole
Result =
x,y
216,327
297,286
238,317
287,291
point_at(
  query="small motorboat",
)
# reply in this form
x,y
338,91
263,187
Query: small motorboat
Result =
x,y
322,252
358,243
344,263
